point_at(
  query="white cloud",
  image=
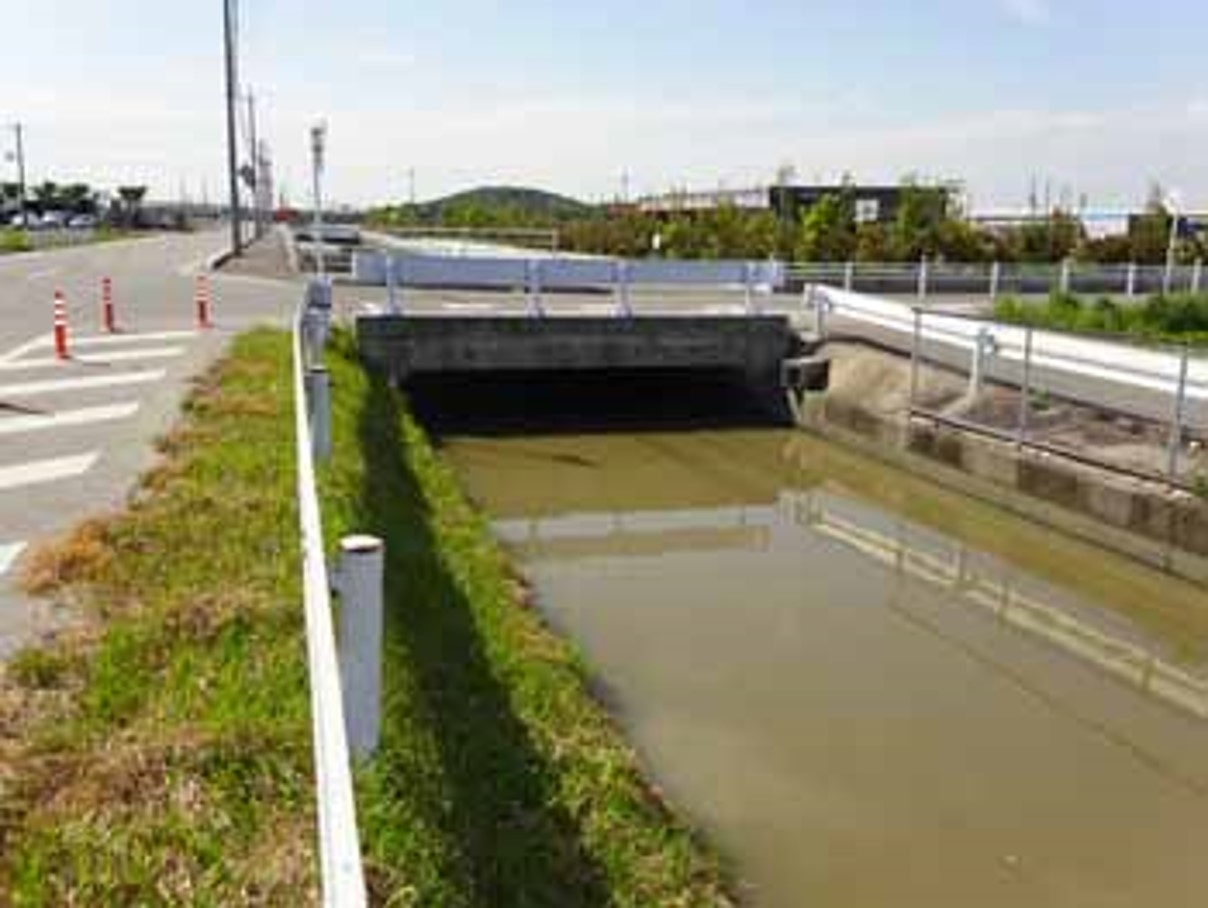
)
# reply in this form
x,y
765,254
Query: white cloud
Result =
x,y
1031,12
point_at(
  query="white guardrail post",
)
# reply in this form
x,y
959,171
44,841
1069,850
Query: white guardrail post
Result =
x,y
318,399
358,580
1197,275
342,880
392,287
923,275
1176,418
916,351
1025,389
849,276
621,288
1130,281
995,279
534,288
1065,276
748,286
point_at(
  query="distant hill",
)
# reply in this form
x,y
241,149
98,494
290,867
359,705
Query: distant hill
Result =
x,y
534,204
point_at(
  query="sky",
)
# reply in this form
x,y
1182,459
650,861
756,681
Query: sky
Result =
x,y
1100,98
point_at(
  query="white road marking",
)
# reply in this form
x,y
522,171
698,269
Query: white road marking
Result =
x,y
109,340
38,472
38,275
20,351
26,389
101,359
37,422
470,307
9,553
371,308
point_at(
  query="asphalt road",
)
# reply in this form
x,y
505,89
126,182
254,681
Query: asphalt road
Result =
x,y
75,435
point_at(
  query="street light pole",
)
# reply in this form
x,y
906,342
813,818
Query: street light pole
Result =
x,y
19,134
228,21
318,138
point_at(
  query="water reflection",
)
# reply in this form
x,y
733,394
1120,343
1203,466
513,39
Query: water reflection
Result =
x,y
872,692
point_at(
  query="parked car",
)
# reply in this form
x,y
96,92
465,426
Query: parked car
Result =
x,y
82,222
54,219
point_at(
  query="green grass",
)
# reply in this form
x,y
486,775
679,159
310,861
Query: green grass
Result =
x,y
501,781
14,241
1180,317
161,754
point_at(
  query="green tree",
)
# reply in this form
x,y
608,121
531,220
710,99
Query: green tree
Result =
x,y
828,230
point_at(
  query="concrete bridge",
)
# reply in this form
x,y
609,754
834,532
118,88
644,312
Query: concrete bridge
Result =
x,y
764,351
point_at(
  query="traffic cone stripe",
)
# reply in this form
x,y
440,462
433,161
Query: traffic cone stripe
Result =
x,y
60,326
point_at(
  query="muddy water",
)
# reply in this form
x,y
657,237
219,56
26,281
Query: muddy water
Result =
x,y
871,692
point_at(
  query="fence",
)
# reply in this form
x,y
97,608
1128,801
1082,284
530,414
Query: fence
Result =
x,y
1139,409
925,278
547,239
345,684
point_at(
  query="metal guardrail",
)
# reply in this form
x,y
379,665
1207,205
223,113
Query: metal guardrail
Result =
x,y
342,878
993,279
1162,384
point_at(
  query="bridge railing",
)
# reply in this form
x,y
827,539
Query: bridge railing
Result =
x,y
619,279
926,278
1133,407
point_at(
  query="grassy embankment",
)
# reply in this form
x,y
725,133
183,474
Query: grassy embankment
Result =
x,y
161,755
1180,317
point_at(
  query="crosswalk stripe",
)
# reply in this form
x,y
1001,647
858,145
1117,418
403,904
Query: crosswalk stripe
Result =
x,y
9,553
27,389
36,422
108,340
42,471
20,351
101,359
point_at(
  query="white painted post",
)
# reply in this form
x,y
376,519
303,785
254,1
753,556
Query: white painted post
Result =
x,y
1176,419
392,285
318,398
1025,389
922,284
820,306
849,276
995,279
1065,276
983,346
1197,275
359,581
622,279
915,353
534,288
748,280
1130,289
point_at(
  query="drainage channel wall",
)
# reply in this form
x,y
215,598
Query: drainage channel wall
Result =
x,y
1145,520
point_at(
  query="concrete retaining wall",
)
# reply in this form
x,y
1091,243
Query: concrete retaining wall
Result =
x,y
1144,520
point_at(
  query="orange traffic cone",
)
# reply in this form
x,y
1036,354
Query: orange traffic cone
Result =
x,y
107,318
60,327
202,300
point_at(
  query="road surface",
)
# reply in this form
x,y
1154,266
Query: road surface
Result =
x,y
75,435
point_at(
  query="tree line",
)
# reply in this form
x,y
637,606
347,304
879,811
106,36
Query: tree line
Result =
x,y
925,224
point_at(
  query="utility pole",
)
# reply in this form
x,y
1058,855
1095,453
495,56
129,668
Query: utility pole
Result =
x,y
19,134
254,163
318,138
228,21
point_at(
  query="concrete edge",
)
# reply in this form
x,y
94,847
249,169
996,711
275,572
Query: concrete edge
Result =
x,y
1100,510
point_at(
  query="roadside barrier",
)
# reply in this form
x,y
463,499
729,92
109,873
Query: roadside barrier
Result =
x,y
107,316
345,683
60,326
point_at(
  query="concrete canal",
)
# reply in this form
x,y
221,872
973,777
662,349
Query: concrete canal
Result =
x,y
868,690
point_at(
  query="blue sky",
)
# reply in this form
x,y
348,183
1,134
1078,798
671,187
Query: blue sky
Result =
x,y
1098,98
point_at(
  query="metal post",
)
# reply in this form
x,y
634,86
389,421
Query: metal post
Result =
x,y
995,279
318,138
1176,420
922,284
1197,275
359,581
849,276
1025,389
229,25
1065,276
1130,289
318,398
18,131
1171,245
821,303
534,288
748,280
916,351
622,281
392,285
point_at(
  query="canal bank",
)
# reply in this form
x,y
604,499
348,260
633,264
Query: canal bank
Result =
x,y
867,689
